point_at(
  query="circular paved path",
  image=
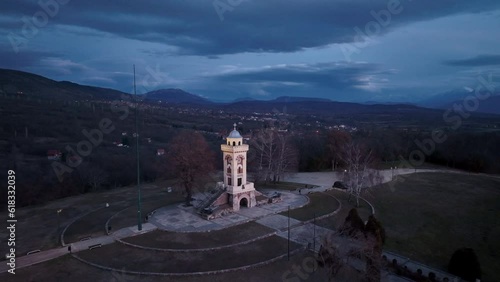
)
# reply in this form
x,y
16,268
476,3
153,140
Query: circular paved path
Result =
x,y
185,219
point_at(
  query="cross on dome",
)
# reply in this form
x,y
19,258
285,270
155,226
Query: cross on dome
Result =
x,y
234,133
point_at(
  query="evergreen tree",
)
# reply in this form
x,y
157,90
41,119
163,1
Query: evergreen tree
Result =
x,y
353,225
464,264
374,227
125,141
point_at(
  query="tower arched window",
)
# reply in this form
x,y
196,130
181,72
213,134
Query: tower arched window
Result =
x,y
239,159
239,143
234,143
240,169
228,169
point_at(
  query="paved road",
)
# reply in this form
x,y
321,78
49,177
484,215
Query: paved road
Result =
x,y
325,180
28,260
35,258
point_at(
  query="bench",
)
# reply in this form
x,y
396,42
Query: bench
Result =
x,y
91,247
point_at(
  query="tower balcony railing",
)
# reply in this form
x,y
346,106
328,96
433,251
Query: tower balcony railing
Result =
x,y
230,148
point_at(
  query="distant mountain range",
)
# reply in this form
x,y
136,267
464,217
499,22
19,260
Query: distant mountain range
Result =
x,y
23,83
300,99
320,107
284,99
446,100
175,96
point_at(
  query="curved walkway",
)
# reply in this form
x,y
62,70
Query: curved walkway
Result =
x,y
200,249
185,219
123,271
182,219
188,221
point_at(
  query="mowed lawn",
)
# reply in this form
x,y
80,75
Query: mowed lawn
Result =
x,y
430,215
37,226
93,224
197,240
67,268
128,217
320,203
338,219
119,256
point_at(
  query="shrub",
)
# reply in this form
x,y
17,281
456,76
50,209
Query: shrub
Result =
x,y
353,224
464,264
374,227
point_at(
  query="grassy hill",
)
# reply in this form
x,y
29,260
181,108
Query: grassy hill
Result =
x,y
430,215
27,84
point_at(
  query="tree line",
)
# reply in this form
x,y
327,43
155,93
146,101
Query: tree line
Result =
x,y
272,155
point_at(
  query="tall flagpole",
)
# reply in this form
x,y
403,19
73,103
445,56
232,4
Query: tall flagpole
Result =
x,y
288,233
139,216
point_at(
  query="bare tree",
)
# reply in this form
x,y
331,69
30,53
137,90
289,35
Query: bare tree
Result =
x,y
275,155
336,141
264,144
92,175
191,159
357,160
353,252
286,157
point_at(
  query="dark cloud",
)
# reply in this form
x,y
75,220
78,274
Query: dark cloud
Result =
x,y
194,27
21,60
323,79
481,60
98,42
337,75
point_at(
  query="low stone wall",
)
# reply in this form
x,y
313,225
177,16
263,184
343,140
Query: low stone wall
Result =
x,y
222,199
371,206
262,202
413,266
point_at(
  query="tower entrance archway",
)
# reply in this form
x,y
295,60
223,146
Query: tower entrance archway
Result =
x,y
244,203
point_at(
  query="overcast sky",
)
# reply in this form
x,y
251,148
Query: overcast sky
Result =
x,y
346,50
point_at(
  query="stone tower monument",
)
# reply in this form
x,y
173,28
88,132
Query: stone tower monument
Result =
x,y
241,192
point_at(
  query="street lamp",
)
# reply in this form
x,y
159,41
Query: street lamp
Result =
x,y
314,232
288,233
139,214
58,223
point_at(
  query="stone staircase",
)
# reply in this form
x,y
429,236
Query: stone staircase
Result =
x,y
209,200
